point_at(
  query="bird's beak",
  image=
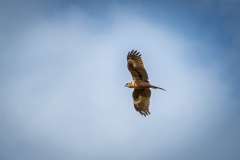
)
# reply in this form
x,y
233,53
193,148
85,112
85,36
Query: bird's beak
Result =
x,y
125,85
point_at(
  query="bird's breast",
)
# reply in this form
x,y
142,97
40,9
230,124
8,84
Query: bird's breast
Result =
x,y
139,84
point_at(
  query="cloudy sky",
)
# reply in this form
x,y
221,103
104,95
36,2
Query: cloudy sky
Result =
x,y
63,71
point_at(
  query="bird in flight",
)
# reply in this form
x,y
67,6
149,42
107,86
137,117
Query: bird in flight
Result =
x,y
141,93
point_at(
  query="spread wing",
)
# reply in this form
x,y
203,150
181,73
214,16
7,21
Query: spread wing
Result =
x,y
141,100
136,67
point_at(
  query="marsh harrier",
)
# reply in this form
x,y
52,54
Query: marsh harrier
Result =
x,y
142,93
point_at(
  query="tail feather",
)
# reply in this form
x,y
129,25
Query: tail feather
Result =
x,y
156,87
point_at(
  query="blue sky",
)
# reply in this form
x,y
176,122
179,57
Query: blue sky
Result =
x,y
63,71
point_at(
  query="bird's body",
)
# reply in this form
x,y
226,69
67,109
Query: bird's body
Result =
x,y
139,84
142,93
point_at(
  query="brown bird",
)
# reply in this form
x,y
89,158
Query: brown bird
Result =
x,y
141,94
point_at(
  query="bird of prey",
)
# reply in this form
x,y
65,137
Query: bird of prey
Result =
x,y
142,93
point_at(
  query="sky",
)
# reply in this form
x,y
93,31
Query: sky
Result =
x,y
63,67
